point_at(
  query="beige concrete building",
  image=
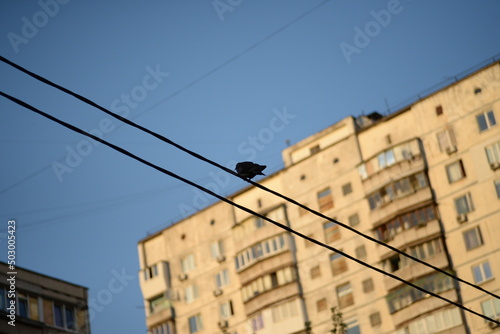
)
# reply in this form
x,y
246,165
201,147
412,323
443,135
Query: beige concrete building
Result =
x,y
424,179
42,304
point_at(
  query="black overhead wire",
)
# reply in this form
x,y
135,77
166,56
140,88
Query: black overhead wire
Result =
x,y
198,156
241,207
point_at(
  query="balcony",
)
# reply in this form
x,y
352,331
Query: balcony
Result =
x,y
162,313
267,298
392,207
400,240
421,307
400,160
415,270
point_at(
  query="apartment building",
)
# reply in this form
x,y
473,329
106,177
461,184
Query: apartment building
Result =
x,y
424,179
43,304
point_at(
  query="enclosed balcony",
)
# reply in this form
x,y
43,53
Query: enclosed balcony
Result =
x,y
400,160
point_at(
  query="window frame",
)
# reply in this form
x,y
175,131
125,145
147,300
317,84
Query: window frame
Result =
x,y
487,117
484,271
455,171
478,238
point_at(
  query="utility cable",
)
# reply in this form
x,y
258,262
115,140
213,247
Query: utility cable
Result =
x,y
200,157
241,207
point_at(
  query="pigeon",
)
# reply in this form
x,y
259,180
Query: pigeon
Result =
x,y
248,170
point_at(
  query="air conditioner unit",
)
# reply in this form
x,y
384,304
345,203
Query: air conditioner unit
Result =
x,y
221,258
493,325
495,165
462,218
451,149
217,292
183,277
223,324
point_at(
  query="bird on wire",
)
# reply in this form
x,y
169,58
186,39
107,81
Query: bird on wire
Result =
x,y
248,170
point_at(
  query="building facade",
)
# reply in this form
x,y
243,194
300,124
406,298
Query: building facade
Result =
x,y
424,179
43,304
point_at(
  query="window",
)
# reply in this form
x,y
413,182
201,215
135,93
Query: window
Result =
x,y
307,243
375,319
226,309
48,312
455,171
262,249
446,140
360,252
338,263
497,188
439,110
58,315
397,189
187,263
267,282
257,322
493,153
405,221
191,293
284,311
482,272
473,238
367,285
325,199
353,219
346,189
158,303
344,295
3,302
491,308
486,120
222,279
217,248
195,323
70,317
403,296
164,328
315,272
332,232
463,204
22,300
150,272
321,305
352,327
434,323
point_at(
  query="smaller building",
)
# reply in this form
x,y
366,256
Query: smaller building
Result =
x,y
43,304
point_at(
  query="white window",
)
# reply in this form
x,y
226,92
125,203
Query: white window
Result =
x,y
187,263
463,204
195,323
217,248
493,153
482,272
446,140
191,293
222,278
226,309
491,308
455,171
285,311
257,322
486,120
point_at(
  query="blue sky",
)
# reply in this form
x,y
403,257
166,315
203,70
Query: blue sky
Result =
x,y
231,80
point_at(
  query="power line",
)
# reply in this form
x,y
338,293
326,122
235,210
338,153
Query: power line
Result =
x,y
200,157
241,207
192,83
